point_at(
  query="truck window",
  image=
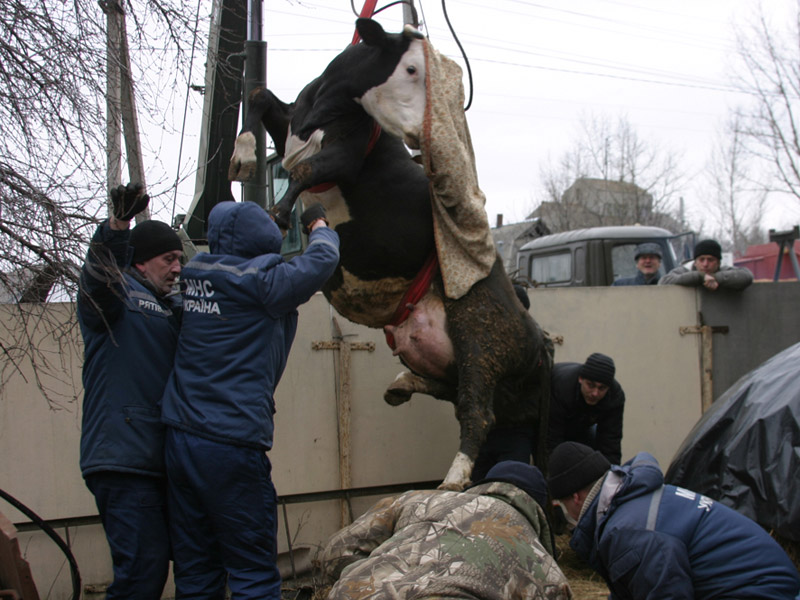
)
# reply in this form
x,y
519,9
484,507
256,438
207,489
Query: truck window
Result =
x,y
551,268
622,263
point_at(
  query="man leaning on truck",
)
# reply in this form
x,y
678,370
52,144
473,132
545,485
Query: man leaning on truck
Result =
x,y
708,272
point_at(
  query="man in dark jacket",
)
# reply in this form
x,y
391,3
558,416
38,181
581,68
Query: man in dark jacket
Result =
x,y
648,263
586,405
650,540
708,272
240,318
129,320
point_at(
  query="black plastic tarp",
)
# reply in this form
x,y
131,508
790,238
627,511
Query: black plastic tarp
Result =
x,y
745,451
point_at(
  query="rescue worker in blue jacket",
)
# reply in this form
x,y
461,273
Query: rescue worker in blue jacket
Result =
x,y
129,319
240,318
651,540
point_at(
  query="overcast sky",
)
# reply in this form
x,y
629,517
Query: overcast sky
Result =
x,y
541,66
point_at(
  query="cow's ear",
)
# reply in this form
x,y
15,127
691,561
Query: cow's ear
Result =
x,y
371,32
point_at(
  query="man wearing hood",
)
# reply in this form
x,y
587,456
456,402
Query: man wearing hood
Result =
x,y
489,542
240,318
650,540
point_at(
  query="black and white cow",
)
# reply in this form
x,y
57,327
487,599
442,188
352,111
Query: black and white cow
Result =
x,y
483,352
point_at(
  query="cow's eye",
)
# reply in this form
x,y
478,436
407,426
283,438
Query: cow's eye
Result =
x,y
411,70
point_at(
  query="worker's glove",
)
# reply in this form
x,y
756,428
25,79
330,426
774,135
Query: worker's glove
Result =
x,y
128,200
311,214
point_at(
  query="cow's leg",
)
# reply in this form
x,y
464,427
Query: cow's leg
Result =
x,y
264,108
407,383
475,418
337,159
488,337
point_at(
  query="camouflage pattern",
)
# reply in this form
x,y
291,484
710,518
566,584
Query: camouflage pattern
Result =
x,y
490,542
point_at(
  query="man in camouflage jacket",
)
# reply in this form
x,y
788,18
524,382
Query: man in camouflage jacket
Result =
x,y
489,542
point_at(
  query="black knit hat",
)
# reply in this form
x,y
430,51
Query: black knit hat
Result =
x,y
526,477
573,466
600,368
708,247
647,248
152,238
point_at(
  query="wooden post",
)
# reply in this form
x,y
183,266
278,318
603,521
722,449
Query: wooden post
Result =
x,y
130,120
706,360
121,104
343,394
113,124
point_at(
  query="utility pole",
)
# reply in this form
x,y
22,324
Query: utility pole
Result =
x,y
113,122
120,104
410,14
255,75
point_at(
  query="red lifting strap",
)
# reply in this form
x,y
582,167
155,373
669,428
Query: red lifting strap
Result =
x,y
414,294
366,12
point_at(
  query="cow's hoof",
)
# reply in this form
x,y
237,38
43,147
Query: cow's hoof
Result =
x,y
396,397
280,217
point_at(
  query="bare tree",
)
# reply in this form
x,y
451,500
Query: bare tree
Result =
x,y
737,200
769,72
53,149
610,177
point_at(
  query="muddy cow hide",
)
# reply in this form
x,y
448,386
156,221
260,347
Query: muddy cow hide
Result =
x,y
483,352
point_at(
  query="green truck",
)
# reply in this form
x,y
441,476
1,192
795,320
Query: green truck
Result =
x,y
596,256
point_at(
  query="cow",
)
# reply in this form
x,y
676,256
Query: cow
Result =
x,y
482,351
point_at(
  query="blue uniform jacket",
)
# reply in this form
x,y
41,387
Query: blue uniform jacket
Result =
x,y
129,336
650,540
240,318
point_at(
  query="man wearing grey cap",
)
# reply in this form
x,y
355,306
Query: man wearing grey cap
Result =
x,y
651,541
648,262
586,406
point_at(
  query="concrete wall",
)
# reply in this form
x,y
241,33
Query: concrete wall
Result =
x,y
658,368
762,320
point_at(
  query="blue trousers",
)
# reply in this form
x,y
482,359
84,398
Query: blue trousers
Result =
x,y
133,511
223,519
511,443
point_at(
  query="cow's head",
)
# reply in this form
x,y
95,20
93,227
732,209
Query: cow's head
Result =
x,y
397,101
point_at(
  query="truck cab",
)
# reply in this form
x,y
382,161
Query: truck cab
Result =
x,y
596,256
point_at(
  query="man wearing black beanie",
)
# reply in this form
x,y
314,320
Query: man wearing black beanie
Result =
x,y
129,321
707,271
586,405
649,540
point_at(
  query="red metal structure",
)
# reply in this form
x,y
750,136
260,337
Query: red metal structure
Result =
x,y
775,261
